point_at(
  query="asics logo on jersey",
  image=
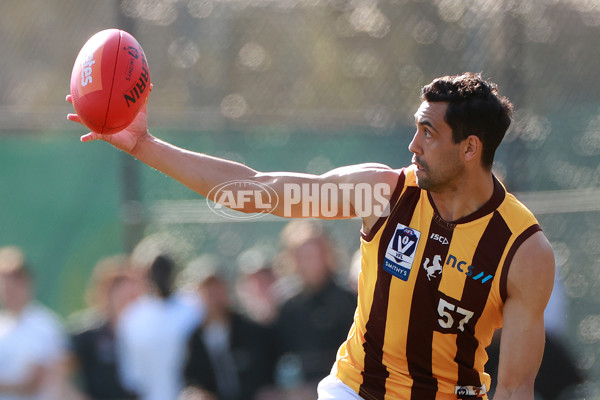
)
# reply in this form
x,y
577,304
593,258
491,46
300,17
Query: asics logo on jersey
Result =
x,y
439,238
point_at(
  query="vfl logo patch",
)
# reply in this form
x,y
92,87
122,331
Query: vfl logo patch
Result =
x,y
400,253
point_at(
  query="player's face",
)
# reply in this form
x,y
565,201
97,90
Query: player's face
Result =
x,y
435,154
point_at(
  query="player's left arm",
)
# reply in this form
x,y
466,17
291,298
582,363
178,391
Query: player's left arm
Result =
x,y
530,281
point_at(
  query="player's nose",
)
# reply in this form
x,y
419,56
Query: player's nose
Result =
x,y
414,145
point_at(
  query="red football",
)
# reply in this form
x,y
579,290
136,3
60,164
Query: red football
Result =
x,y
110,81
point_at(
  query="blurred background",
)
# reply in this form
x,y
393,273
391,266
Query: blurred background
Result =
x,y
298,85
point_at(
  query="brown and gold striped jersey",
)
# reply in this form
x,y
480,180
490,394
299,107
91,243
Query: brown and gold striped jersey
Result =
x,y
431,294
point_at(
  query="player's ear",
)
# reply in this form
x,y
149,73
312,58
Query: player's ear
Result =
x,y
472,148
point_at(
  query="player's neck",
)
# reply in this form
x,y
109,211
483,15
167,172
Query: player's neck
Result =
x,y
457,201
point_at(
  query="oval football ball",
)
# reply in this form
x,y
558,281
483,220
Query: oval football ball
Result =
x,y
110,81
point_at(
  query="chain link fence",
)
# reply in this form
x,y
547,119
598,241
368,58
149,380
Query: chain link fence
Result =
x,y
308,85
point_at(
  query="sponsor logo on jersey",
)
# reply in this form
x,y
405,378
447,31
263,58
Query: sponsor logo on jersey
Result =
x,y
471,271
400,253
478,391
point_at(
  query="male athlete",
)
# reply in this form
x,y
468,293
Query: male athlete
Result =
x,y
454,258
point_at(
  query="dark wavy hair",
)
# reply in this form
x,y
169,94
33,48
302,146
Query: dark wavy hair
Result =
x,y
162,275
474,108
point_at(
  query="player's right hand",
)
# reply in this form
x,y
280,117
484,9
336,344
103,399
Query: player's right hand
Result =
x,y
127,139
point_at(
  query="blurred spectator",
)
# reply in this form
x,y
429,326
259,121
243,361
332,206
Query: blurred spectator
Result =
x,y
152,333
558,372
313,323
256,287
228,355
555,314
112,287
558,375
32,341
354,271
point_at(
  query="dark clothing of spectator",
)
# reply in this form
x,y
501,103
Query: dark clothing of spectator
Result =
x,y
557,375
240,370
312,325
96,355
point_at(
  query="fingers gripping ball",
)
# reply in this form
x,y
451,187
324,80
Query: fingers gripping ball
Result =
x,y
110,81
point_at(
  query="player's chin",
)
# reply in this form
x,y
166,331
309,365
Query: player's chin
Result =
x,y
420,174
421,179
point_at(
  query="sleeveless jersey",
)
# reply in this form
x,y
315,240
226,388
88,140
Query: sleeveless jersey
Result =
x,y
430,297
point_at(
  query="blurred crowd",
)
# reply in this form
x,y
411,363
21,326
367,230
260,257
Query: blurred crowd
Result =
x,y
156,330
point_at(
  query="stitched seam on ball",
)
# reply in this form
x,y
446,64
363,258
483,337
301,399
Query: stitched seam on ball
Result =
x,y
112,82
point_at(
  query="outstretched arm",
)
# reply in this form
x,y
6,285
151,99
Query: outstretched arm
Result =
x,y
359,190
530,281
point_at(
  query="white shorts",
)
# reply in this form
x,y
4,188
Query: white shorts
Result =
x,y
332,388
